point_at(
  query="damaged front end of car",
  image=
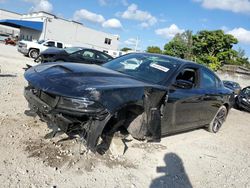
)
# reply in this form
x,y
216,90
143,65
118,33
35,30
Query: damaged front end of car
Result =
x,y
93,102
68,115
88,119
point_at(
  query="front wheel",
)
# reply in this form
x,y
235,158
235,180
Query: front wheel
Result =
x,y
218,120
33,53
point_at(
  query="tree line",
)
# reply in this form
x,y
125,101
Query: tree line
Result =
x,y
210,48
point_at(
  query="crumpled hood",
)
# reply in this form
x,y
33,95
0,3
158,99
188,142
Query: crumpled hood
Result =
x,y
77,80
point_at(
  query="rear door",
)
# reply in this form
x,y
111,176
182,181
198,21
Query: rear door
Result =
x,y
213,98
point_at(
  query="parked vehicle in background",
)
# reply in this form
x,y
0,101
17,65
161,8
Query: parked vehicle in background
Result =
x,y
234,86
243,99
158,96
33,49
74,54
10,41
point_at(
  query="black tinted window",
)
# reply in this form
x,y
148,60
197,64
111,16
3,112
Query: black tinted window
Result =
x,y
208,80
51,44
102,57
59,45
188,74
246,91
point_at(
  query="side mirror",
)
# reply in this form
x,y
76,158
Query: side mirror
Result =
x,y
183,84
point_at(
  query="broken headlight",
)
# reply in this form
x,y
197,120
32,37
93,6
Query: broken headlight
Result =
x,y
80,105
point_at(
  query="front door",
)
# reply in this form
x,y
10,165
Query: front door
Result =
x,y
184,108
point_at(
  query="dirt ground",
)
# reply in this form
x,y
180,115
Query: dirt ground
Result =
x,y
193,159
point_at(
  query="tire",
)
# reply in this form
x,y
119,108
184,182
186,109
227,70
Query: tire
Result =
x,y
218,120
33,53
39,59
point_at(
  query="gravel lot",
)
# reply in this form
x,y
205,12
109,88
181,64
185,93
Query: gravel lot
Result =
x,y
192,159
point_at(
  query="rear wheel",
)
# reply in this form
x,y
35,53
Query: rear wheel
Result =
x,y
33,53
218,120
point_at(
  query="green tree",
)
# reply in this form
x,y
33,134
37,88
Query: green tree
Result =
x,y
241,58
154,49
215,45
125,49
180,46
210,48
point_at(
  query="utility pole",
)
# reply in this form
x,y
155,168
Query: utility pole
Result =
x,y
136,43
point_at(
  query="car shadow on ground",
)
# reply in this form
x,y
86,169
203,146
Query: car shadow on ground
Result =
x,y
174,174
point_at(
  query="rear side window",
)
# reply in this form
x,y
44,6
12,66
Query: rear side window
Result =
x,y
102,57
88,54
209,80
59,45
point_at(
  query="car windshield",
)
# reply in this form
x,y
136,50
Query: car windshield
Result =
x,y
147,67
41,41
72,50
247,91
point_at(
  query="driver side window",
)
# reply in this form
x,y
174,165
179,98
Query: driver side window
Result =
x,y
188,76
50,44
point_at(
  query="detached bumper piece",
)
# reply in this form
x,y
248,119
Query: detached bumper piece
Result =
x,y
88,126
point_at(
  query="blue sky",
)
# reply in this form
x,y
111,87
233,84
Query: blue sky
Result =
x,y
152,22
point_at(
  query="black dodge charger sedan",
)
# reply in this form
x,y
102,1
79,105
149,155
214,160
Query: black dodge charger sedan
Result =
x,y
73,54
147,95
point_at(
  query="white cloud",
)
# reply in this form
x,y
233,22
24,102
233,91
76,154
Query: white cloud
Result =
x,y
40,5
169,32
238,6
124,2
241,34
102,2
112,23
224,28
116,2
133,13
84,14
130,41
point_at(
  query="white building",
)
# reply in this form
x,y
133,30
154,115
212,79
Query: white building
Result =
x,y
6,30
42,26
